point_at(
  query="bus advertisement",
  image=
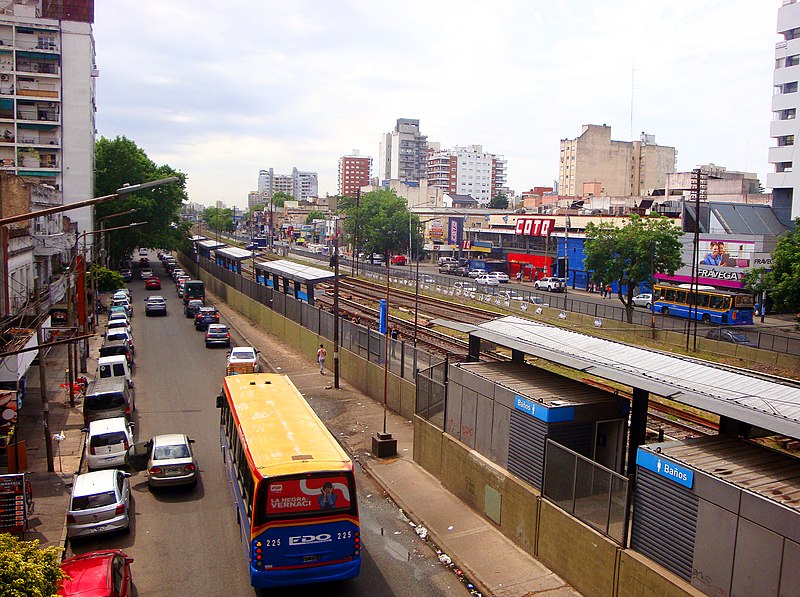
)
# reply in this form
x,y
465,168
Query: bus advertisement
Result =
x,y
292,484
722,307
194,290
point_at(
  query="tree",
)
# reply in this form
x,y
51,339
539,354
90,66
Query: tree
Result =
x,y
499,201
107,279
632,253
25,569
782,282
314,215
279,198
382,219
219,219
118,162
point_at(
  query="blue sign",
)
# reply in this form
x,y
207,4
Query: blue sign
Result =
x,y
665,468
383,316
548,414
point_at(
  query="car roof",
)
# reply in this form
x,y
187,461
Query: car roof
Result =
x,y
91,483
242,350
208,309
217,326
170,439
155,297
108,425
89,573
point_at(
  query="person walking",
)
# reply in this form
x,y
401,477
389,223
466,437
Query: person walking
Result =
x,y
321,354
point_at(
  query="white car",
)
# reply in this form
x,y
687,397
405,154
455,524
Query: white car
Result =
x,y
107,441
643,300
487,280
243,358
550,284
474,273
501,276
145,273
99,503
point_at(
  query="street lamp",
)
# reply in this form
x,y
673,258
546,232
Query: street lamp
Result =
x,y
416,293
100,226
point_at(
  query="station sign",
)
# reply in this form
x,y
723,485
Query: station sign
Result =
x,y
544,413
665,468
535,226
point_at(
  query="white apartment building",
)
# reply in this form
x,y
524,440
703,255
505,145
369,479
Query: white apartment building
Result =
x,y
298,184
468,171
784,180
403,152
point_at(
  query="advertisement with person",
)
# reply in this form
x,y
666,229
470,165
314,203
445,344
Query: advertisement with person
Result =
x,y
292,496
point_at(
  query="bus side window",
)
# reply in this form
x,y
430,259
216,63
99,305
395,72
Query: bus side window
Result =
x,y
716,302
669,295
702,300
680,297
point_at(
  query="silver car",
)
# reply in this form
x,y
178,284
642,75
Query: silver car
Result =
x,y
168,460
100,503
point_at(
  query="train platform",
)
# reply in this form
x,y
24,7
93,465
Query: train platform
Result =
x,y
487,559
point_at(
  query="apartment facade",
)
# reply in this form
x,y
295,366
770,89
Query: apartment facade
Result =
x,y
298,184
354,172
468,171
617,167
784,179
403,152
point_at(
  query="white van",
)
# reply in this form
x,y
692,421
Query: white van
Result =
x,y
448,260
114,366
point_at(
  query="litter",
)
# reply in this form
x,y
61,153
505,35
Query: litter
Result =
x,y
445,559
450,528
422,532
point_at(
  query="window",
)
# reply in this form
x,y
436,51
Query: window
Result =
x,y
785,140
788,114
783,167
792,60
789,87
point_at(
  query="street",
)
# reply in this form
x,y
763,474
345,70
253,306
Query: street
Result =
x,y
185,542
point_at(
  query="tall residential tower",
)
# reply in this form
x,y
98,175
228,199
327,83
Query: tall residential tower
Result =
x,y
403,152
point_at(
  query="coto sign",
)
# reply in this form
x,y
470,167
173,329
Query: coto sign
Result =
x,y
534,226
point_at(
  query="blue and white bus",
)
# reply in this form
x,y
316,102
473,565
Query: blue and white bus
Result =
x,y
722,307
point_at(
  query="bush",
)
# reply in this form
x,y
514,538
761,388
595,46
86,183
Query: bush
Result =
x,y
107,279
25,569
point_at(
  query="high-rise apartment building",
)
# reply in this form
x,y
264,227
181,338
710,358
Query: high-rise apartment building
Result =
x,y
621,168
298,184
354,172
468,171
47,97
784,129
403,152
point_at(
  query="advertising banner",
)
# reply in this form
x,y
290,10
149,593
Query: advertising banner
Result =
x,y
535,226
455,228
293,496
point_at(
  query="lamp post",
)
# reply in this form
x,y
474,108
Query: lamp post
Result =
x,y
416,292
100,222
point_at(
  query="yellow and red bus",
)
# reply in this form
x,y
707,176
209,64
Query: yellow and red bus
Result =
x,y
292,483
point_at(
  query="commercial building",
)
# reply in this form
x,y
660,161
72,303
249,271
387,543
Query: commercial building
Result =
x,y
468,171
298,184
403,152
785,178
612,167
354,172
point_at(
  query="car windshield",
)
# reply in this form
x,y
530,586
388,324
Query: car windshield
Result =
x,y
737,337
96,500
104,401
107,439
242,354
170,452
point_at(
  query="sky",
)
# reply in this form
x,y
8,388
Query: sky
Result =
x,y
221,90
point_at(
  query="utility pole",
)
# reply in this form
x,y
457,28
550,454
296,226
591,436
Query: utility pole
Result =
x,y
698,190
354,262
43,381
71,345
335,259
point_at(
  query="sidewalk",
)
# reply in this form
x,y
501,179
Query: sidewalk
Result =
x,y
488,559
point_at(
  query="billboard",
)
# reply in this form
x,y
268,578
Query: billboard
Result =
x,y
535,226
455,229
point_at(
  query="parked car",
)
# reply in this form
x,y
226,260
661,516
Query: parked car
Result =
x,y
511,295
191,308
145,273
538,301
107,442
398,260
155,305
127,275
122,293
143,252
101,573
117,347
217,334
475,272
487,280
729,335
460,270
443,260
118,315
152,283
447,268
551,284
502,277
144,261
120,334
123,302
119,324
643,300
242,359
205,316
465,287
177,272
99,503
168,460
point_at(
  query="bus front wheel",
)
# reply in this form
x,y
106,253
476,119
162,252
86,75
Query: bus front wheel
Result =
x,y
665,311
706,318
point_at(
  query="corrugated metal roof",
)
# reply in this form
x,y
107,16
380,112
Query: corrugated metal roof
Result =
x,y
210,244
295,271
739,218
766,472
736,394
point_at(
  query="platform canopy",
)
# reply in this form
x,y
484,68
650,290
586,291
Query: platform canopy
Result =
x,y
297,272
235,253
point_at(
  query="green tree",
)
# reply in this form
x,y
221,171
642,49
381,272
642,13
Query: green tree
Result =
x,y
499,201
219,219
314,215
629,255
119,162
107,279
782,282
26,570
382,219
279,198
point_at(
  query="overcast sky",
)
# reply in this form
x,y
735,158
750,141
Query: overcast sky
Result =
x,y
221,90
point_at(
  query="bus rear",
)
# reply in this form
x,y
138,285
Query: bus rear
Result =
x,y
305,530
194,290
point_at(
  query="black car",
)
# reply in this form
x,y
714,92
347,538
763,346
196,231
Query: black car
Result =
x,y
204,317
155,305
127,275
729,335
191,308
112,348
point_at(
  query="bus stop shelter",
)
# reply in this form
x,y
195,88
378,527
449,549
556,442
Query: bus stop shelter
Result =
x,y
294,279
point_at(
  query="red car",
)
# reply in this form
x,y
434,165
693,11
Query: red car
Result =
x,y
398,260
104,573
152,283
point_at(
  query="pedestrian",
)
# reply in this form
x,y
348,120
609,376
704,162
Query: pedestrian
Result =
x,y
519,276
609,290
394,333
602,290
321,354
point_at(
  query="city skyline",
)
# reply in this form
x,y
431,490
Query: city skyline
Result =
x,y
219,104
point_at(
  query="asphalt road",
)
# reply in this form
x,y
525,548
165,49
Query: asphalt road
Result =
x,y
186,542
